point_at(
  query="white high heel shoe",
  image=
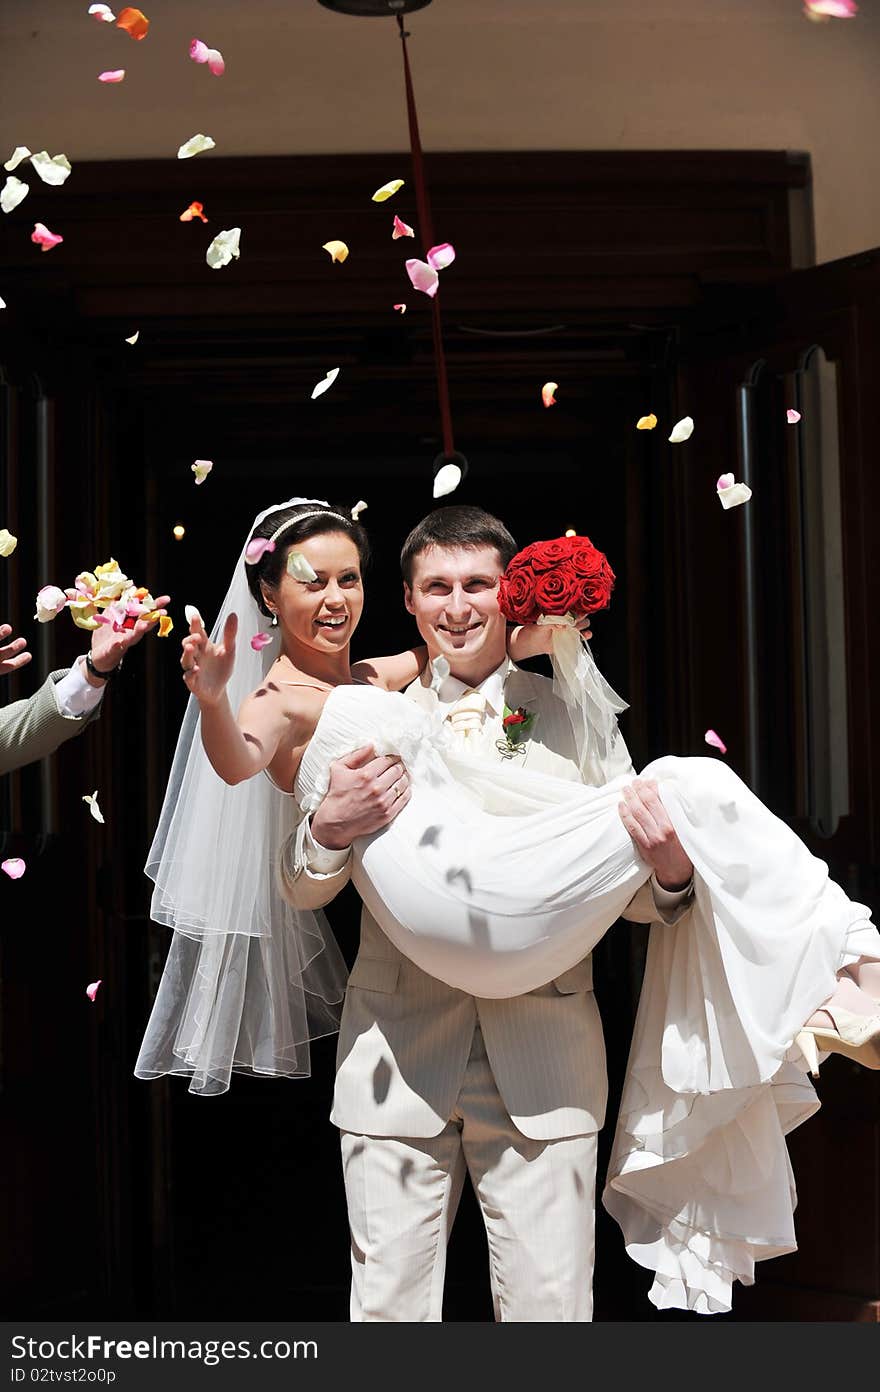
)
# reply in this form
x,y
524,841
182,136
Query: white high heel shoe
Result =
x,y
855,1036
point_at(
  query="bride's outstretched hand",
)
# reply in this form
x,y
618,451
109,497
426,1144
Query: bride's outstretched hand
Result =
x,y
208,666
530,640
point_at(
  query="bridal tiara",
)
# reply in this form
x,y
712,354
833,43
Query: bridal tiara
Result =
x,y
301,516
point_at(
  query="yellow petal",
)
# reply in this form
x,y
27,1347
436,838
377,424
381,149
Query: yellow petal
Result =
x,y
84,616
338,250
8,542
166,623
387,190
646,422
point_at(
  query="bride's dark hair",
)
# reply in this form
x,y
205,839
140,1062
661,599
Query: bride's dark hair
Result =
x,y
306,520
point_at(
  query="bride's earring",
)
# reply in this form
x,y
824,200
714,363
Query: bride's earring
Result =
x,y
274,620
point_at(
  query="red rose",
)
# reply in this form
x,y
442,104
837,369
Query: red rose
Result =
x,y
516,596
547,554
558,591
517,718
592,567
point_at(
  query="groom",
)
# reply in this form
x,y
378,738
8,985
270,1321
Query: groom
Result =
x,y
432,1082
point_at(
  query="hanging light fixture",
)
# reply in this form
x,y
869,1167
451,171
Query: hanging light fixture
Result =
x,y
450,465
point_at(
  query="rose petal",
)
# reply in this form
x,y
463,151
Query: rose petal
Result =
x,y
92,989
8,542
166,625
195,210
400,229
423,277
357,510
255,550
2,302
103,12
216,65
135,336
683,430
725,481
830,9
441,256
325,383
190,612
200,53
21,152
50,602
792,417
224,247
92,800
194,146
646,422
14,868
260,640
112,75
338,251
134,22
299,567
400,307
45,239
14,191
387,190
733,494
54,169
446,480
202,469
547,393
715,740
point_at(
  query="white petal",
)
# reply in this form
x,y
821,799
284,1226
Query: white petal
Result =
x,y
52,170
92,800
682,431
135,336
190,612
325,382
12,193
733,496
357,510
194,146
21,152
447,480
299,567
439,672
224,246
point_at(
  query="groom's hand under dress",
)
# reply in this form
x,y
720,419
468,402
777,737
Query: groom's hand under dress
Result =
x,y
647,822
366,792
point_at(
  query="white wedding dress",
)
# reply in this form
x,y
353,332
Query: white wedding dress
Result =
x,y
496,879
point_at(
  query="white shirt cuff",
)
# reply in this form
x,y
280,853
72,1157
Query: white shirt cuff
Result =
x,y
320,860
669,898
74,696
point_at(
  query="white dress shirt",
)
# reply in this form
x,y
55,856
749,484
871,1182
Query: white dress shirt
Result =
x,y
74,694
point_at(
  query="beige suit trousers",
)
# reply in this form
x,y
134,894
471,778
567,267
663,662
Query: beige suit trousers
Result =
x,y
537,1199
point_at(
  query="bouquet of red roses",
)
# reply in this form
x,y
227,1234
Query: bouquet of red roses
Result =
x,y
564,576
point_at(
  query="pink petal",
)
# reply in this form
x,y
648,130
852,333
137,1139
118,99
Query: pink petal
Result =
x,y
423,277
715,740
113,75
44,238
725,481
14,868
255,550
92,990
831,9
401,229
259,641
198,51
216,64
102,12
547,393
792,417
441,256
401,307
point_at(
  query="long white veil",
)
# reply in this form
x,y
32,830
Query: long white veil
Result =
x,y
248,980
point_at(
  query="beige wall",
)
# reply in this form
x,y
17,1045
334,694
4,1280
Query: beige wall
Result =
x,y
489,74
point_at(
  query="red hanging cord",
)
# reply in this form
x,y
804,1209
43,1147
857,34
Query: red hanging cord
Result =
x,y
427,231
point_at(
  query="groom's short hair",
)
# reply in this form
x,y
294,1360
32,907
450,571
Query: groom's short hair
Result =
x,y
456,526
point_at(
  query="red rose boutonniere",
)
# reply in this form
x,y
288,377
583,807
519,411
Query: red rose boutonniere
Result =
x,y
516,725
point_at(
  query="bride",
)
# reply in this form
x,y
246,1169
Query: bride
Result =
x,y
715,1078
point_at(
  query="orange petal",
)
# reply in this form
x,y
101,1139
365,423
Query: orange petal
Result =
x,y
646,422
134,22
166,623
195,210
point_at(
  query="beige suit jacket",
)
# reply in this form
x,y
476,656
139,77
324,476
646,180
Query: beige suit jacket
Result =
x,y
33,728
405,1037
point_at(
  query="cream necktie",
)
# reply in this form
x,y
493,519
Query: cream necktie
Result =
x,y
466,715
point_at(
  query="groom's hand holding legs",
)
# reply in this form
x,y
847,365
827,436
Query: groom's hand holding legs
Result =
x,y
366,792
647,822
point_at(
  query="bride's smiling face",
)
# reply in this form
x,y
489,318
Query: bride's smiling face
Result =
x,y
454,600
321,613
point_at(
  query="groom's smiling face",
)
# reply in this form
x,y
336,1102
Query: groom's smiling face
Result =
x,y
454,600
